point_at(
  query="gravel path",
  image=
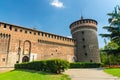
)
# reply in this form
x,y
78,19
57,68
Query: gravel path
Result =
x,y
89,74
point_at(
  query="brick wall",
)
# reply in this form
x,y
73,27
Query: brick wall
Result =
x,y
34,44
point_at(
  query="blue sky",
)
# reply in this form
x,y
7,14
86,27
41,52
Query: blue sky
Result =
x,y
55,16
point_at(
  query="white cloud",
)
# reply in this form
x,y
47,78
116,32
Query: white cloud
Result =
x,y
69,36
57,3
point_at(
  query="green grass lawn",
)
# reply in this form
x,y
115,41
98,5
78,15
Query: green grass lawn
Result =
x,y
113,71
31,75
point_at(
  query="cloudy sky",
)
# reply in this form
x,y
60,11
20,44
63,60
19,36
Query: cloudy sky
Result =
x,y
55,16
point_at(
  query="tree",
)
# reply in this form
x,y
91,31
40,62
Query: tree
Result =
x,y
112,49
108,54
113,28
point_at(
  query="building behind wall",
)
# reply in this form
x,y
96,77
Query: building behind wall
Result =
x,y
19,44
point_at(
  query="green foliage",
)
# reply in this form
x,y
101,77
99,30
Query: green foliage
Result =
x,y
57,65
111,52
84,65
111,45
31,75
109,55
54,66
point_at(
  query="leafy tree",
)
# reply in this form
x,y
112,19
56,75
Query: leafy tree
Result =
x,y
114,27
110,53
112,58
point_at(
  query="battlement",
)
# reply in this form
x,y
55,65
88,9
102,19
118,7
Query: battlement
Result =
x,y
33,34
83,23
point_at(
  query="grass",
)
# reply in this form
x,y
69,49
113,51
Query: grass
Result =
x,y
31,75
113,71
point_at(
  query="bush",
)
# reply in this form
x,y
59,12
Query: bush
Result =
x,y
57,65
54,66
84,65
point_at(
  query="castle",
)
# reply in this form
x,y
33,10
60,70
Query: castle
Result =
x,y
19,44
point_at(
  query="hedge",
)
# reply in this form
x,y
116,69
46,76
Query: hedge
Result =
x,y
55,66
84,65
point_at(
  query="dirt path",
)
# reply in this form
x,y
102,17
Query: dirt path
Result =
x,y
89,74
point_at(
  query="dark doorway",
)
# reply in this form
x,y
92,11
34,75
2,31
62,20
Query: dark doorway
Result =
x,y
25,59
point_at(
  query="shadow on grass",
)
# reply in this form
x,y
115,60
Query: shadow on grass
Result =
x,y
33,71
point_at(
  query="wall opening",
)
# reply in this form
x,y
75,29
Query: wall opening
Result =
x,y
25,59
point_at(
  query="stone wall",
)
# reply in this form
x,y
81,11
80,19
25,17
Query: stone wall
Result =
x,y
84,31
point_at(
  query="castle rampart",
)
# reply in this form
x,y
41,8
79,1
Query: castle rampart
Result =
x,y
20,44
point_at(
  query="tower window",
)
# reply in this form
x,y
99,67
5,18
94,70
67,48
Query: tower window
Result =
x,y
91,61
83,39
82,32
85,54
84,46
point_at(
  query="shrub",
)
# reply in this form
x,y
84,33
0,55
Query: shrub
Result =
x,y
54,66
84,65
57,65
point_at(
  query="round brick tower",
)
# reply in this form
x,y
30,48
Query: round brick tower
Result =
x,y
84,33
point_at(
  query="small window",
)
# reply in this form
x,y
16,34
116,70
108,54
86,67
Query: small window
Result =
x,y
38,40
42,34
83,39
56,50
20,30
38,33
85,54
58,37
49,35
25,31
3,59
84,46
16,29
82,32
4,25
55,37
91,61
45,35
30,32
34,33
10,27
